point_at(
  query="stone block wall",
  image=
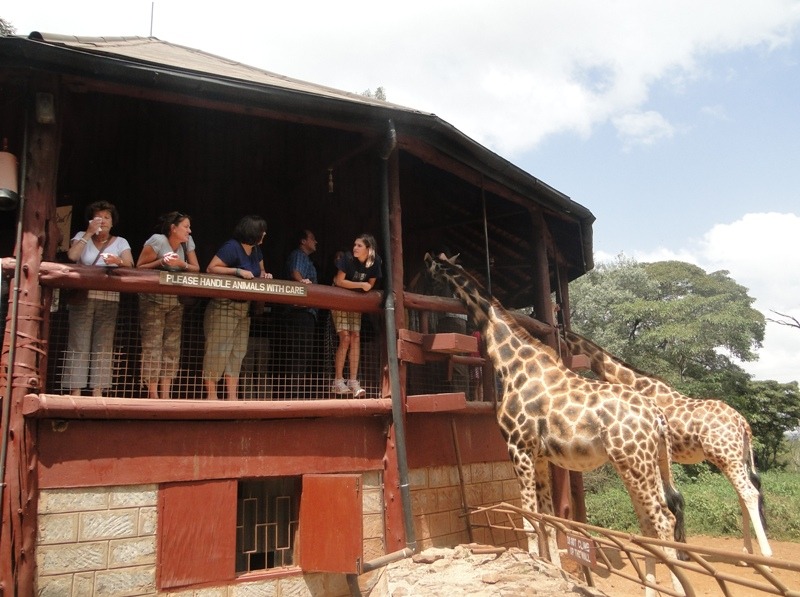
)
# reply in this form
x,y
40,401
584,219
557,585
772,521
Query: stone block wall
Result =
x,y
101,542
97,541
436,499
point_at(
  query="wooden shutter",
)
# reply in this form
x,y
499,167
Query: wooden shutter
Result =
x,y
196,533
331,524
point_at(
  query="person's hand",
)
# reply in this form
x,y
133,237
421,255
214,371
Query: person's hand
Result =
x,y
365,286
111,259
269,275
170,259
246,274
95,226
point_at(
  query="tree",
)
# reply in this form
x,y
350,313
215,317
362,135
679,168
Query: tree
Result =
x,y
773,409
787,320
6,28
674,320
669,318
378,94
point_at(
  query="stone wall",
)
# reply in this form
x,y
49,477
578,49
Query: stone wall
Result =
x,y
102,542
436,499
97,541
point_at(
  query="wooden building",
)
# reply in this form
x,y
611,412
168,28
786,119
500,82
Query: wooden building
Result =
x,y
288,490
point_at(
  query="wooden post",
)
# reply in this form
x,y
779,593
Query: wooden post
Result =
x,y
542,306
575,478
18,532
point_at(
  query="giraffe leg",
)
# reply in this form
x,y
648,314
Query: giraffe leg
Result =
x,y
655,518
746,536
534,480
524,470
749,502
544,498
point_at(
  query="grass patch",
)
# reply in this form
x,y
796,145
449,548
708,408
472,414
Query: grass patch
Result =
x,y
712,507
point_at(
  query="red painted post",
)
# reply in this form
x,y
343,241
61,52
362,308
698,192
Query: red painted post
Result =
x,y
18,532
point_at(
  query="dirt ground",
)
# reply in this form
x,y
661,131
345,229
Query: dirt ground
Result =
x,y
477,572
706,585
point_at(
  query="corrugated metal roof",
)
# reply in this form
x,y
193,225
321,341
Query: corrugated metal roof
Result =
x,y
154,51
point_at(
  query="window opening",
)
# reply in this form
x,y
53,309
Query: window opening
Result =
x,y
266,523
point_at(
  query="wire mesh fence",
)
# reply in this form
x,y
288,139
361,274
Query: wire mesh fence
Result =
x,y
274,352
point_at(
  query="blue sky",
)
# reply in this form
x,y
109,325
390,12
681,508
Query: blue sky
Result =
x,y
676,122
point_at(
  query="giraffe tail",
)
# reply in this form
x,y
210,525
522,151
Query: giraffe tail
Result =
x,y
755,478
676,505
673,497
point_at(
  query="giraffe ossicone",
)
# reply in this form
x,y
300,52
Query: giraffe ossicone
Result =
x,y
549,414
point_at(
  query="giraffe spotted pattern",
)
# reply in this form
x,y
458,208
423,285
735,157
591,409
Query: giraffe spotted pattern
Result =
x,y
549,414
700,429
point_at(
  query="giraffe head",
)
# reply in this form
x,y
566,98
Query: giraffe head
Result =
x,y
464,285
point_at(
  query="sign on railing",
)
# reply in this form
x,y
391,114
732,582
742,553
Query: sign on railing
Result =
x,y
581,549
262,285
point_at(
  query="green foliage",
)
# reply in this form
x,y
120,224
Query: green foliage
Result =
x,y
669,318
772,409
688,327
712,507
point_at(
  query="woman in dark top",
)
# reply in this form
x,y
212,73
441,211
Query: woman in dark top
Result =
x,y
357,270
227,321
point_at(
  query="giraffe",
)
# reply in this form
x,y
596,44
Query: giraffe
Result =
x,y
701,429
548,413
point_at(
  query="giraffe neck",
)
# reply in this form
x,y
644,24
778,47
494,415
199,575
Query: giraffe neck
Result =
x,y
504,337
603,363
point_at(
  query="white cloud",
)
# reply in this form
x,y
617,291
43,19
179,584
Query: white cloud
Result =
x,y
643,128
761,252
506,74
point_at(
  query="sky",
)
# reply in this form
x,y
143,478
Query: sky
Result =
x,y
677,123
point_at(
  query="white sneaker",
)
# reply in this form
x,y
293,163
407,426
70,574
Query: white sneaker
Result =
x,y
339,387
356,388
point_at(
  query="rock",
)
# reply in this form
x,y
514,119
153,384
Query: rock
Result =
x,y
478,571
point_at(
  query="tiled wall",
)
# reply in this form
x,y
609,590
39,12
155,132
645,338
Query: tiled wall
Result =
x,y
436,499
98,541
102,542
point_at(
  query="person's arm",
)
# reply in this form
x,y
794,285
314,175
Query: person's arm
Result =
x,y
342,282
264,272
217,266
76,248
149,259
192,265
126,258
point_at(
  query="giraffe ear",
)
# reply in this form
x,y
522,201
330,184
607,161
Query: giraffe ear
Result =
x,y
451,260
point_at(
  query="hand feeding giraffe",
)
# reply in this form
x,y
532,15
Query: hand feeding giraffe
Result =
x,y
701,429
550,414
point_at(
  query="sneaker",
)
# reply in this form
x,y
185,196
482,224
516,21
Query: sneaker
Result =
x,y
339,387
356,388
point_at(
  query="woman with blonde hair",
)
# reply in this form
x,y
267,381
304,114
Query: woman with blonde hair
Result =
x,y
359,269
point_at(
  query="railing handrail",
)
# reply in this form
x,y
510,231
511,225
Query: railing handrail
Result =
x,y
72,275
132,280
